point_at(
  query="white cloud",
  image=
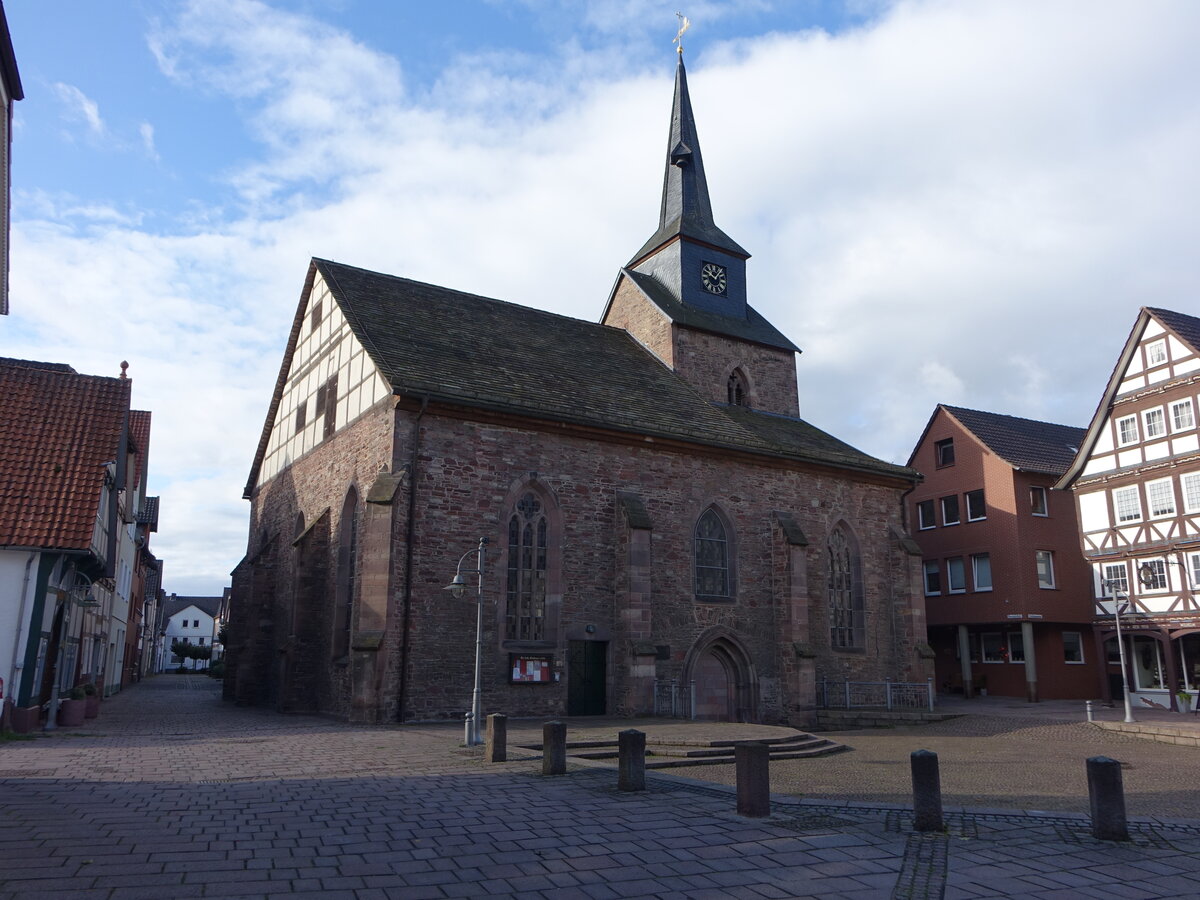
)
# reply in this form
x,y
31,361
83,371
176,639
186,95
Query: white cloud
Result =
x,y
146,132
954,203
80,108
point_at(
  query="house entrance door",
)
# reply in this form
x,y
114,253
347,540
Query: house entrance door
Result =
x,y
586,677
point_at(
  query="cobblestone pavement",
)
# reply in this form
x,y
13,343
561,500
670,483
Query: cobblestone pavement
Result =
x,y
173,794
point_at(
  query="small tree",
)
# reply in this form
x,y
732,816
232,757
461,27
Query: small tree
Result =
x,y
191,651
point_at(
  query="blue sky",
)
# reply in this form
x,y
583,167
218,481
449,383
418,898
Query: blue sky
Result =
x,y
946,202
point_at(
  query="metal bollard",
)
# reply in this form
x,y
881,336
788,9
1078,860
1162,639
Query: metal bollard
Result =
x,y
1106,796
1090,714
496,749
927,791
752,761
469,729
554,748
631,774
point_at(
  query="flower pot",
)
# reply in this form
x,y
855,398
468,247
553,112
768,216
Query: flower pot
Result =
x,y
26,719
71,713
91,707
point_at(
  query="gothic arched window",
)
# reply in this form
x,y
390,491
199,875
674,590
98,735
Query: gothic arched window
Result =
x,y
738,390
347,564
846,630
712,556
526,586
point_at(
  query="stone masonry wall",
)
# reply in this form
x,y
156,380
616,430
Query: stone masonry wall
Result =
x,y
706,360
632,311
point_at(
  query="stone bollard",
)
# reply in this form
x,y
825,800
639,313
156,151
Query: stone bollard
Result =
x,y
927,791
1106,796
496,749
752,761
631,745
554,748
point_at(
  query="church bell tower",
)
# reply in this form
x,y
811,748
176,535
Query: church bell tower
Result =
x,y
698,264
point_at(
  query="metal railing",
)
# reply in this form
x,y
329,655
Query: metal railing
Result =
x,y
675,699
888,695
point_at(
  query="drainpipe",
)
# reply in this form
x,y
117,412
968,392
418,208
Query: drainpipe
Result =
x,y
408,553
16,651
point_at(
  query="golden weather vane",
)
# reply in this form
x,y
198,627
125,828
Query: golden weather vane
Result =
x,y
684,25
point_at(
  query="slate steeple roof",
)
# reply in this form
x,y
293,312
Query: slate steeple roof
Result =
x,y
686,210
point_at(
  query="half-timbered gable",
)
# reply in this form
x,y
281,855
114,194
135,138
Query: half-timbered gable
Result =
x,y
1136,481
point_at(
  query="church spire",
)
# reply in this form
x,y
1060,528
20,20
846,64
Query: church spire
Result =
x,y
686,211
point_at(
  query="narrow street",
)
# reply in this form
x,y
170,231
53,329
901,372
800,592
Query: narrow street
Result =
x,y
172,793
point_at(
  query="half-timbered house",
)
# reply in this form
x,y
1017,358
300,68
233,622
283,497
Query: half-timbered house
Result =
x,y
1136,480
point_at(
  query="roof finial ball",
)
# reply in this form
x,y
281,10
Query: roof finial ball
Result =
x,y
684,25
124,368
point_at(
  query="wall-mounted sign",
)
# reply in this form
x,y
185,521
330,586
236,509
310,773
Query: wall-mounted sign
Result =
x,y
531,669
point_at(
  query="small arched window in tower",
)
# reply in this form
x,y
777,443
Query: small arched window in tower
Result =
x,y
347,565
846,630
526,585
739,392
712,556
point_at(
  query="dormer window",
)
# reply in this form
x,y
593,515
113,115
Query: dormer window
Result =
x,y
739,394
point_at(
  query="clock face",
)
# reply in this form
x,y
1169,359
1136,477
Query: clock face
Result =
x,y
712,276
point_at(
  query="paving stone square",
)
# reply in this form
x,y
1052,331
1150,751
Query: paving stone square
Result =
x,y
171,793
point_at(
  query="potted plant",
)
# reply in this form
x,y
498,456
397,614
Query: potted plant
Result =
x,y
91,698
1185,701
71,711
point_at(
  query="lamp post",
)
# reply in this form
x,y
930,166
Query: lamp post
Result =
x,y
458,587
1116,592
69,597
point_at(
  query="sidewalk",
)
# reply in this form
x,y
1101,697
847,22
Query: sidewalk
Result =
x,y
173,794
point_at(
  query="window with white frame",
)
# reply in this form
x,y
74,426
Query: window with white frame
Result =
x,y
950,510
1037,501
1016,647
1191,492
1116,580
1155,422
976,508
1183,416
994,650
944,452
1045,569
956,576
1127,504
1127,430
925,515
184,625
1156,353
933,579
1160,497
981,571
1194,570
1073,648
1152,575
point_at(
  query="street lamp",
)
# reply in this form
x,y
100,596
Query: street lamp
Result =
x,y
80,594
1116,592
458,588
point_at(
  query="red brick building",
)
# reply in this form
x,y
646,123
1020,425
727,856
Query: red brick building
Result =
x,y
663,531
1006,591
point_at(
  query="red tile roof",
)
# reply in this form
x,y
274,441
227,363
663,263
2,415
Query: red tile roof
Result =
x,y
57,429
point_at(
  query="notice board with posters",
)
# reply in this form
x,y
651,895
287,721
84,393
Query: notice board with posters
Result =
x,y
531,669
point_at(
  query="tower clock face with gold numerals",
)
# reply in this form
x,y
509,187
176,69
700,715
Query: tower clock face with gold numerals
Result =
x,y
712,276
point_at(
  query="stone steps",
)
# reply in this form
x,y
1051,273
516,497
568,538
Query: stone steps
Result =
x,y
668,753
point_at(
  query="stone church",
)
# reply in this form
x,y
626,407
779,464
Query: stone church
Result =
x,y
664,534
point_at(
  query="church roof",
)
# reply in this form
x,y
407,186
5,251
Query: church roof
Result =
x,y
752,328
1025,444
686,210
474,351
